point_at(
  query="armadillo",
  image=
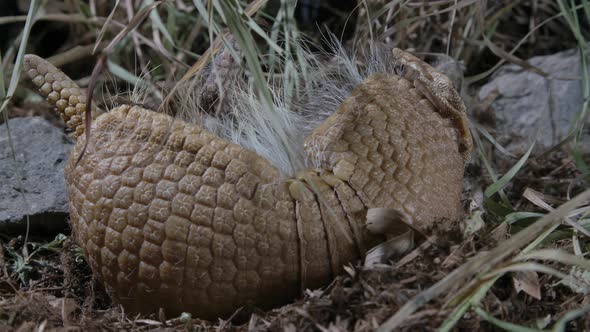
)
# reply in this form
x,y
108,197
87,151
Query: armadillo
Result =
x,y
172,217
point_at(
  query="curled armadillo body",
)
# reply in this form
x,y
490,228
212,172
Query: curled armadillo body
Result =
x,y
171,216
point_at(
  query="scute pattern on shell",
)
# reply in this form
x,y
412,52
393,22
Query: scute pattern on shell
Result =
x,y
67,97
393,150
171,216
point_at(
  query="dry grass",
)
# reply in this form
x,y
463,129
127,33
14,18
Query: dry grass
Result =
x,y
517,262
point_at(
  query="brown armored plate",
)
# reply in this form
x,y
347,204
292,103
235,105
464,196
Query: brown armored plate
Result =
x,y
171,216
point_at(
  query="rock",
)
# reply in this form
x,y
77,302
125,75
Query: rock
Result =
x,y
41,152
451,68
531,107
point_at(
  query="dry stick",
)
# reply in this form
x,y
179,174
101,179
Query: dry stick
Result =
x,y
97,20
135,21
73,54
49,17
533,197
483,261
88,113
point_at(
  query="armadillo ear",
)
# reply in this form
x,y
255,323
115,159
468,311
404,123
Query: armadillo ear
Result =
x,y
67,97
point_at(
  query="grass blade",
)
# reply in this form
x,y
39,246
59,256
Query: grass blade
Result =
x,y
506,178
16,72
484,261
502,324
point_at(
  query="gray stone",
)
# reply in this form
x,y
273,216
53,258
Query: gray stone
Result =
x,y
531,107
41,151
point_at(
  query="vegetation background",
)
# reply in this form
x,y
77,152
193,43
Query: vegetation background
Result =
x,y
522,263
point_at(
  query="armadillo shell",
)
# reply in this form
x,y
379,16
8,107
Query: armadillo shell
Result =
x,y
171,216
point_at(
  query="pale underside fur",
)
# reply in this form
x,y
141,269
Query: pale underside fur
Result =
x,y
243,120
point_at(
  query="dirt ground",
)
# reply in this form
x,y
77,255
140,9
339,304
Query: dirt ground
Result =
x,y
46,284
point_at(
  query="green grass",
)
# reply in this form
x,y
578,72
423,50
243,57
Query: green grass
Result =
x,y
171,42
23,264
5,97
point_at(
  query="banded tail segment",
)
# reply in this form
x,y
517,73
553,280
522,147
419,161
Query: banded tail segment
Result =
x,y
67,97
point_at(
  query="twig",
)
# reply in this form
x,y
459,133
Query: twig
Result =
x,y
482,262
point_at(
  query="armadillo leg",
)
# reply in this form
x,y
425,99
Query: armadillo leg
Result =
x,y
439,90
394,150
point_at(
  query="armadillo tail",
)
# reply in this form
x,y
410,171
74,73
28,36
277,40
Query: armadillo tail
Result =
x,y
69,99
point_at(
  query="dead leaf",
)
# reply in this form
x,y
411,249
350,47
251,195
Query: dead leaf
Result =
x,y
473,224
537,198
66,306
290,328
498,51
350,270
501,232
528,282
578,280
543,322
389,249
148,322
